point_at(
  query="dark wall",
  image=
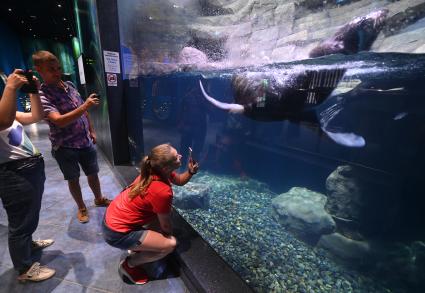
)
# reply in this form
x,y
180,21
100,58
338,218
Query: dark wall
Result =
x,y
11,56
103,117
10,50
98,22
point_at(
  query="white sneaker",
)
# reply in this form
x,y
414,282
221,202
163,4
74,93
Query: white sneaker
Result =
x,y
41,244
36,273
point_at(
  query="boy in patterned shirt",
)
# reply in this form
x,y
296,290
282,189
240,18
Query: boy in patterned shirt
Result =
x,y
71,132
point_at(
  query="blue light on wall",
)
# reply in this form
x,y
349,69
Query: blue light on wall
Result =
x,y
11,56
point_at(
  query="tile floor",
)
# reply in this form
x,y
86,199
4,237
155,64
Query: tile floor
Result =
x,y
83,261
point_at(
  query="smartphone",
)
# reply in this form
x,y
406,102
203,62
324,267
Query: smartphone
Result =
x,y
31,87
190,153
190,156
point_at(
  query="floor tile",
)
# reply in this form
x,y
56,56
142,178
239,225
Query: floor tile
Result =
x,y
82,260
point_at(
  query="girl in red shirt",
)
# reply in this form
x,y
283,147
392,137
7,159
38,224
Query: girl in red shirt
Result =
x,y
131,216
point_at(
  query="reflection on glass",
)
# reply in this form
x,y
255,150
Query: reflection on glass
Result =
x,y
311,168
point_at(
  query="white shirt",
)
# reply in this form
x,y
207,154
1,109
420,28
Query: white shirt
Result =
x,y
15,144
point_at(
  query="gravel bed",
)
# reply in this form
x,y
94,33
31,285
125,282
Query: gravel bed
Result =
x,y
238,225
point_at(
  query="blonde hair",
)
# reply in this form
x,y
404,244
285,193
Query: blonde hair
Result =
x,y
41,57
159,158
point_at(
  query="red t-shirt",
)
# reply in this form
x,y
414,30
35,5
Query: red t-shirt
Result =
x,y
125,214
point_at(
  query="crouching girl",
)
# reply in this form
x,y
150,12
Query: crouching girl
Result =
x,y
138,219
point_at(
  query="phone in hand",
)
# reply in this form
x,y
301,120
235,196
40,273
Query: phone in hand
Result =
x,y
30,87
190,155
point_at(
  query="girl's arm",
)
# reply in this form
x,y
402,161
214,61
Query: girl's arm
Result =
x,y
8,100
183,178
36,109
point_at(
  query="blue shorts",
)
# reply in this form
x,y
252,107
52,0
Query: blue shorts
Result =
x,y
69,160
123,240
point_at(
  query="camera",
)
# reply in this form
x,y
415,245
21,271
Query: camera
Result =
x,y
30,87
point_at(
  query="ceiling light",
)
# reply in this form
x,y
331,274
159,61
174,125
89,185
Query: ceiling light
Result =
x,y
59,5
30,29
10,9
70,35
68,28
64,18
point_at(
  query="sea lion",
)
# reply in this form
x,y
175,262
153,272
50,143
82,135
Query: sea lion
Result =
x,y
273,96
357,35
278,96
265,96
269,96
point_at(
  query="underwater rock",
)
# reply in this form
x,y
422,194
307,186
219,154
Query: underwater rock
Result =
x,y
192,196
361,207
259,249
344,196
345,248
302,211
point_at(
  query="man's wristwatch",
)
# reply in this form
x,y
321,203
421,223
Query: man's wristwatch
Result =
x,y
191,172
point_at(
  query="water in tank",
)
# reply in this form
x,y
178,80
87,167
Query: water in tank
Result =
x,y
308,121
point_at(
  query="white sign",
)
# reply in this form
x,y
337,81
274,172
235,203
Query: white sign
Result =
x,y
112,61
81,70
112,79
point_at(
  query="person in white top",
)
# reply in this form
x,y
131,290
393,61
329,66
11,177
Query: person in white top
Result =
x,y
21,178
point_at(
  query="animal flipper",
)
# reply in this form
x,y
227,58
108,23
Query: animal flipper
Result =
x,y
348,139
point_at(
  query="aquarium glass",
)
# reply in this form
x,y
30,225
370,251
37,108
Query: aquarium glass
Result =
x,y
307,119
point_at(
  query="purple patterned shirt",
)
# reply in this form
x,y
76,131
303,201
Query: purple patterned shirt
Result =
x,y
55,99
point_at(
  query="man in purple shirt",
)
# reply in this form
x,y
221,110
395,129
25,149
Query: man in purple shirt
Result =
x,y
71,131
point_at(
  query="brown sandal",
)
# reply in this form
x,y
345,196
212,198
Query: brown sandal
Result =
x,y
102,202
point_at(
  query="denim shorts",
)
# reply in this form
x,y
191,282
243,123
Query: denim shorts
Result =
x,y
123,240
69,158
